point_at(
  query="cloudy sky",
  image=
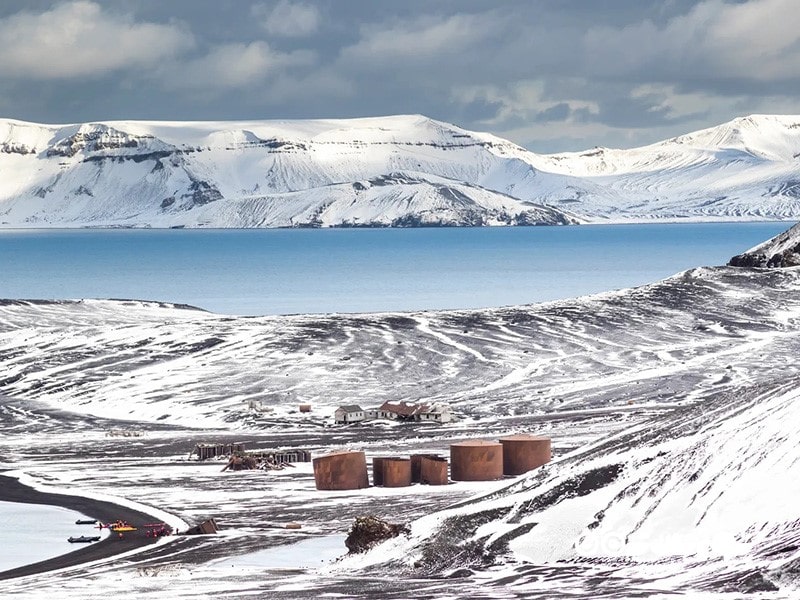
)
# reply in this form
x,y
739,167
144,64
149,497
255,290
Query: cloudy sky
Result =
x,y
550,75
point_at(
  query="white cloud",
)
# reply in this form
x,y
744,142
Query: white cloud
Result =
x,y
289,19
236,65
755,41
425,40
80,38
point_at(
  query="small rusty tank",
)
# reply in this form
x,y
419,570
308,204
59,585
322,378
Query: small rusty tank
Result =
x,y
396,472
476,460
523,453
416,465
433,470
341,471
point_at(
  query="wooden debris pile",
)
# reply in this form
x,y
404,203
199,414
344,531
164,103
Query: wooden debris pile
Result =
x,y
206,451
266,461
209,526
369,531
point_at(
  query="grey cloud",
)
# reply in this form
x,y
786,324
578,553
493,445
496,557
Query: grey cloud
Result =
x,y
557,112
234,65
569,73
288,19
81,39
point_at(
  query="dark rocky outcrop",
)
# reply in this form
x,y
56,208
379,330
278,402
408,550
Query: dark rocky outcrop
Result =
x,y
781,251
202,192
369,531
788,258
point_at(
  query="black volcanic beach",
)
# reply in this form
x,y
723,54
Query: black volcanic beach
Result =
x,y
11,490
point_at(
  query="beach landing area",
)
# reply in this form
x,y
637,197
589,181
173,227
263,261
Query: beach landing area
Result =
x,y
11,490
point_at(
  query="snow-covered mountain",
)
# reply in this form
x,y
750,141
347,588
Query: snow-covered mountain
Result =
x,y
395,171
746,168
389,171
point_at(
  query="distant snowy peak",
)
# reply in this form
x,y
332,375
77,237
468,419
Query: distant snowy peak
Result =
x,y
772,137
766,137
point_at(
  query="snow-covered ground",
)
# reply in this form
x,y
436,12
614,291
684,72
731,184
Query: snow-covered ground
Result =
x,y
671,407
391,171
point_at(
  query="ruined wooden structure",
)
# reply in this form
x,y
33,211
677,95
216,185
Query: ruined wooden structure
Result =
x,y
207,527
206,451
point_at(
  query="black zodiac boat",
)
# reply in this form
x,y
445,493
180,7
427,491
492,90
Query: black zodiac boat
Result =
x,y
83,538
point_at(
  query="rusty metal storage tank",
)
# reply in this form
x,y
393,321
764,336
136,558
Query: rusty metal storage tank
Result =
x,y
341,471
476,460
396,472
377,470
416,465
523,453
433,470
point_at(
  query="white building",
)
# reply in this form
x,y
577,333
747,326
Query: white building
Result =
x,y
349,413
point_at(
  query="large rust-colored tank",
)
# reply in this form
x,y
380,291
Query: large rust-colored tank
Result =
x,y
523,453
433,470
395,472
341,471
476,460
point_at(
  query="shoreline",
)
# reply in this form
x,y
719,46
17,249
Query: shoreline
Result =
x,y
11,490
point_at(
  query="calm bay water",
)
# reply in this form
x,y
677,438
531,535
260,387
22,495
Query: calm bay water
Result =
x,y
33,532
256,272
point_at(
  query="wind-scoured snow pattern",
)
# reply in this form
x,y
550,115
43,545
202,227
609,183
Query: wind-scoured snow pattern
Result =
x,y
376,172
673,410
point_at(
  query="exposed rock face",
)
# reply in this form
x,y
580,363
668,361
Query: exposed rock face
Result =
x,y
202,192
369,531
93,138
781,251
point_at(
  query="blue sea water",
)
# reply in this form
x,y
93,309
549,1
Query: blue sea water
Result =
x,y
257,272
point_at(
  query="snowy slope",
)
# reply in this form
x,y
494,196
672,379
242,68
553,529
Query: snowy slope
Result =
x,y
700,499
388,171
673,409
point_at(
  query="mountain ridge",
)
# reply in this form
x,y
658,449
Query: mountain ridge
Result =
x,y
285,174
